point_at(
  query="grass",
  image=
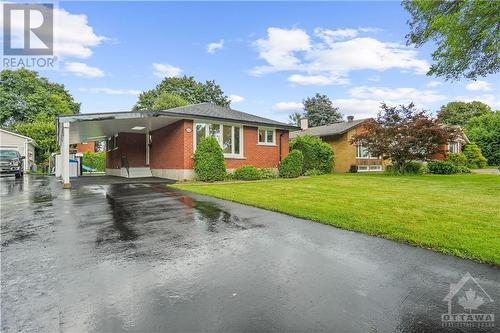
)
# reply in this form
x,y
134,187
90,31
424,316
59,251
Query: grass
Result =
x,y
453,214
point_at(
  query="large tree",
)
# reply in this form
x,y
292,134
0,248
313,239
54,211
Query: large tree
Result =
x,y
185,87
459,113
319,110
294,118
29,105
403,134
485,132
24,95
466,33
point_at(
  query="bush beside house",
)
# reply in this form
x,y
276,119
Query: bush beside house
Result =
x,y
247,172
209,161
318,155
474,157
292,165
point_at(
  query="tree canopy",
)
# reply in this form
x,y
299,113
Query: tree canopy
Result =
x,y
319,110
485,132
187,88
403,134
466,33
459,113
24,95
168,101
29,105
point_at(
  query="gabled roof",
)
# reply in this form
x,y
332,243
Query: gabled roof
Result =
x,y
30,140
213,111
329,130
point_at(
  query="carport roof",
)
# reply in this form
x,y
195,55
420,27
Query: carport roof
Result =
x,y
90,126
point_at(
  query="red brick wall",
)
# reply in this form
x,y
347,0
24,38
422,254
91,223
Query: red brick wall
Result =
x,y
83,147
130,145
261,156
172,146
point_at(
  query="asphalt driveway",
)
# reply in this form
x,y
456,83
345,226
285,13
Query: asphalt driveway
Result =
x,y
141,257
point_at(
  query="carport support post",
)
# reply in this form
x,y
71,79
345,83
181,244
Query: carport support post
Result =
x,y
147,146
65,156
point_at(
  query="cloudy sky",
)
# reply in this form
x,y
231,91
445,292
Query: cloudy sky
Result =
x,y
267,56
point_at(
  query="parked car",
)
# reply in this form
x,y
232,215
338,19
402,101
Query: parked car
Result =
x,y
11,163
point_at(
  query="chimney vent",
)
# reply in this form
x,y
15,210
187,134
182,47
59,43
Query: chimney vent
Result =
x,y
304,123
350,119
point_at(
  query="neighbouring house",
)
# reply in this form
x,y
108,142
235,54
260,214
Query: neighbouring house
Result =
x,y
162,143
348,156
23,144
85,147
456,146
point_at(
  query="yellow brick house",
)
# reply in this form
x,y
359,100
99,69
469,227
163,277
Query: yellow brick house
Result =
x,y
347,156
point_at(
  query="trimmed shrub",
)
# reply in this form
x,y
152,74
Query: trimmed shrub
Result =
x,y
442,167
247,172
474,156
318,155
95,161
412,168
459,160
291,166
209,160
267,173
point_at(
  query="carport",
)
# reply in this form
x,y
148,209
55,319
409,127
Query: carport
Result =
x,y
105,126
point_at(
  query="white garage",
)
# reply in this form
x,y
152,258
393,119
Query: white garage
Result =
x,y
23,144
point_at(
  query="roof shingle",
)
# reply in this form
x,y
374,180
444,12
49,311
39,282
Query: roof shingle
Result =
x,y
328,130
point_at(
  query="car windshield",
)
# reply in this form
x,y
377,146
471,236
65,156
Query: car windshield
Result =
x,y
8,154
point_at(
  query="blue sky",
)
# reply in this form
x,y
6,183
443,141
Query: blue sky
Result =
x,y
270,56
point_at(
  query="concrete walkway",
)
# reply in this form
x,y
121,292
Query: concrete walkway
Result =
x,y
145,258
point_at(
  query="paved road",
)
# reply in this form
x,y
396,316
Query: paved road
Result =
x,y
141,257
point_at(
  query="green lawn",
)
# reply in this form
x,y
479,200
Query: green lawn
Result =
x,y
457,214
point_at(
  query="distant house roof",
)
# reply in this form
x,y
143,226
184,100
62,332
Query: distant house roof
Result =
x,y
30,140
329,130
206,111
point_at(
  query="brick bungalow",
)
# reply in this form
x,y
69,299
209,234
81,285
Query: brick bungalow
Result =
x,y
162,143
354,156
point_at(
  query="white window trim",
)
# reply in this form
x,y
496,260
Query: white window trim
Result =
x,y
369,157
457,144
266,143
219,137
369,168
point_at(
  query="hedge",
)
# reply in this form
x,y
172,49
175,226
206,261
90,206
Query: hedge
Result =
x,y
292,165
318,155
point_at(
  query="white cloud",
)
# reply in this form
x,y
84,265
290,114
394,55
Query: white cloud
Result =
x,y
402,95
288,106
336,54
279,48
359,108
111,91
81,69
318,80
212,47
490,99
166,70
236,98
434,84
73,36
478,85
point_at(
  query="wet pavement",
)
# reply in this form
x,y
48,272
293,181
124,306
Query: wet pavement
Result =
x,y
142,257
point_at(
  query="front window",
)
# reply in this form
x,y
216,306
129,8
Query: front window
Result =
x,y
362,152
266,136
454,147
228,136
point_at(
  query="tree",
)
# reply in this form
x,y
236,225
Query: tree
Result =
x,y
404,134
465,32
475,159
459,113
168,101
42,129
485,132
294,118
24,95
319,110
185,87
